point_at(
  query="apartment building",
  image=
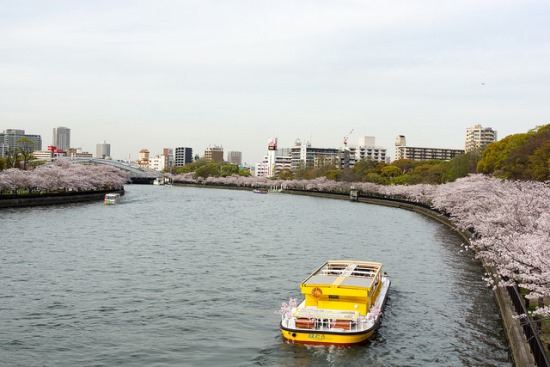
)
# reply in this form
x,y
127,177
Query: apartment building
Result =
x,y
478,137
402,151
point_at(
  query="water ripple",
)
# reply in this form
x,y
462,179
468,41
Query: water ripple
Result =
x,y
192,277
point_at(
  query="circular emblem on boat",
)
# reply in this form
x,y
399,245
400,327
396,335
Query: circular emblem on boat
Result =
x,y
316,292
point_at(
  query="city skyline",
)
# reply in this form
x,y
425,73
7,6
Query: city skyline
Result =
x,y
234,74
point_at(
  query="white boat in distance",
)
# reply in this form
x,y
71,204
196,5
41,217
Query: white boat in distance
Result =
x,y
111,199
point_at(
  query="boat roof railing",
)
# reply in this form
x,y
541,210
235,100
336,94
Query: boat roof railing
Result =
x,y
349,269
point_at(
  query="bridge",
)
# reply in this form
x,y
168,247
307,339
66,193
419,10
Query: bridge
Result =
x,y
137,174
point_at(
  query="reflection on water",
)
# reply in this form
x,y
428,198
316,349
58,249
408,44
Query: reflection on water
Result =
x,y
177,276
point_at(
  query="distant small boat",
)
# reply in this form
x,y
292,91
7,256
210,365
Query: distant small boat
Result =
x,y
260,191
111,199
343,304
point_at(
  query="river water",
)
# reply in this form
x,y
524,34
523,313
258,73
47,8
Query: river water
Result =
x,y
182,276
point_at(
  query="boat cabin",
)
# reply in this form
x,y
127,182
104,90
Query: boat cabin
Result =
x,y
343,286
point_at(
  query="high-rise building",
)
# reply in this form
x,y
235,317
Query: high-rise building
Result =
x,y
402,151
103,150
182,156
234,157
61,138
214,153
478,137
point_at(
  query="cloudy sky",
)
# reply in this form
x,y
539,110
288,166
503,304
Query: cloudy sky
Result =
x,y
232,73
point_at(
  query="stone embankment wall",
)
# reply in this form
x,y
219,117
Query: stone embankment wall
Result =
x,y
9,201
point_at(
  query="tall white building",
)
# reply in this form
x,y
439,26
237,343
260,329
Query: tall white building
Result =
x,y
61,138
103,150
478,137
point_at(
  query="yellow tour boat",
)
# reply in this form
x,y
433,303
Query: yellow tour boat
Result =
x,y
343,304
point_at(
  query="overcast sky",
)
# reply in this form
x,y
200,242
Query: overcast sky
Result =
x,y
155,74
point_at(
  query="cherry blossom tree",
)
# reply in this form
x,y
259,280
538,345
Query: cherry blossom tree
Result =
x,y
63,176
511,223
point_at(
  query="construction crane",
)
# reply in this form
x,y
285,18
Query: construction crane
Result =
x,y
346,139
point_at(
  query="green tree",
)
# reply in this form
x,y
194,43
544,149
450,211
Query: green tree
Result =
x,y
375,178
404,164
539,163
361,168
285,174
208,170
400,180
26,149
227,169
13,157
245,172
334,174
461,165
391,171
493,160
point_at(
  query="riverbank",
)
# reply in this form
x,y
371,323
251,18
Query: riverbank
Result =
x,y
28,200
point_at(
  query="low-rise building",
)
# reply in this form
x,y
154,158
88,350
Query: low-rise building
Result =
x,y
158,163
78,153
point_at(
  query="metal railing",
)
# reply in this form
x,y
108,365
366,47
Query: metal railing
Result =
x,y
530,330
